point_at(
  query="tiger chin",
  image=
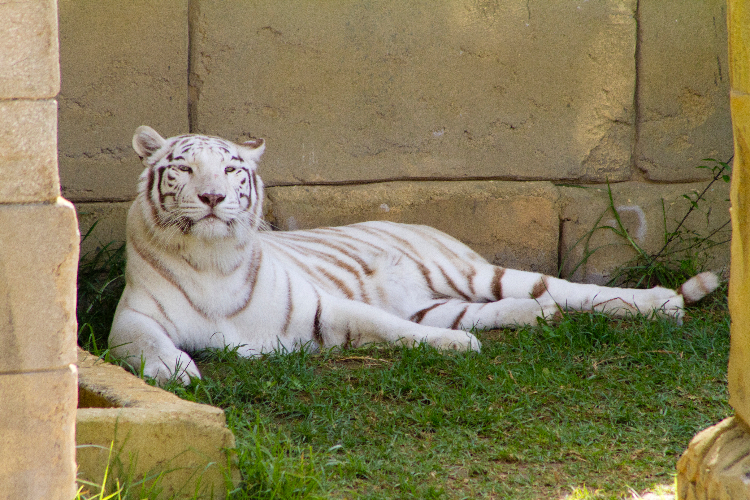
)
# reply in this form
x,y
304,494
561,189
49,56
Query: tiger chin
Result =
x,y
203,272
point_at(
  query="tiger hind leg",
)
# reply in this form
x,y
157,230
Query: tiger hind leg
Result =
x,y
508,297
613,301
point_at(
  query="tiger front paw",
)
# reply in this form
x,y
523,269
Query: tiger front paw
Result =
x,y
455,340
181,368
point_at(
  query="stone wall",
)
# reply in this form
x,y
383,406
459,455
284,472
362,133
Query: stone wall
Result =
x,y
478,103
38,259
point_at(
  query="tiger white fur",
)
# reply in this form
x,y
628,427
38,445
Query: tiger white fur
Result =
x,y
202,273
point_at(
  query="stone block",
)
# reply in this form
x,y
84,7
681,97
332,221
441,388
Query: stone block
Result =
x,y
37,435
123,64
38,265
716,464
644,210
351,91
28,150
101,224
29,66
150,431
739,282
509,224
683,88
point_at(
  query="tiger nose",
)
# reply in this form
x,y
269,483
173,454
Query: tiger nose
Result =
x,y
211,199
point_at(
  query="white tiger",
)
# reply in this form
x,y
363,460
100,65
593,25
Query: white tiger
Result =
x,y
201,272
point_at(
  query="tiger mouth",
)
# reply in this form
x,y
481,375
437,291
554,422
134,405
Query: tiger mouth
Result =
x,y
212,218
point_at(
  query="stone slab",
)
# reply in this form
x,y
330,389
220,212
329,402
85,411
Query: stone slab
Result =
x,y
643,215
683,88
150,431
350,91
716,465
28,150
510,224
37,432
123,64
38,266
29,66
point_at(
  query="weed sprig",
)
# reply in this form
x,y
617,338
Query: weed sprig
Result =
x,y
684,252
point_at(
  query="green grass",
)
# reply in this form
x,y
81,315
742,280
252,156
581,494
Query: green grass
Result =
x,y
587,406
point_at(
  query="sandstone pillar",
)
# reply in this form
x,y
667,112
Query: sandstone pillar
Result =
x,y
717,463
38,260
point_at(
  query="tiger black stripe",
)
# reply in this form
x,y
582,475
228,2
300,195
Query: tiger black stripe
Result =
x,y
317,330
140,313
339,284
452,284
289,306
418,316
338,263
164,314
346,239
165,273
414,258
303,249
221,272
470,281
256,260
381,234
349,269
346,250
459,317
256,200
413,255
290,256
149,190
243,194
371,232
160,174
254,181
497,283
539,287
443,247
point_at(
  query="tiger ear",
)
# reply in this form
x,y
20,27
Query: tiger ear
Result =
x,y
253,149
147,141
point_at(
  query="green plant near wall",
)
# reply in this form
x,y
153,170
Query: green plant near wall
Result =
x,y
101,279
684,252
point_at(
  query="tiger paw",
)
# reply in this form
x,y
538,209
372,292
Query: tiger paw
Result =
x,y
182,368
455,340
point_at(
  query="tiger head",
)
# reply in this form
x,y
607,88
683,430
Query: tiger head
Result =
x,y
199,185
